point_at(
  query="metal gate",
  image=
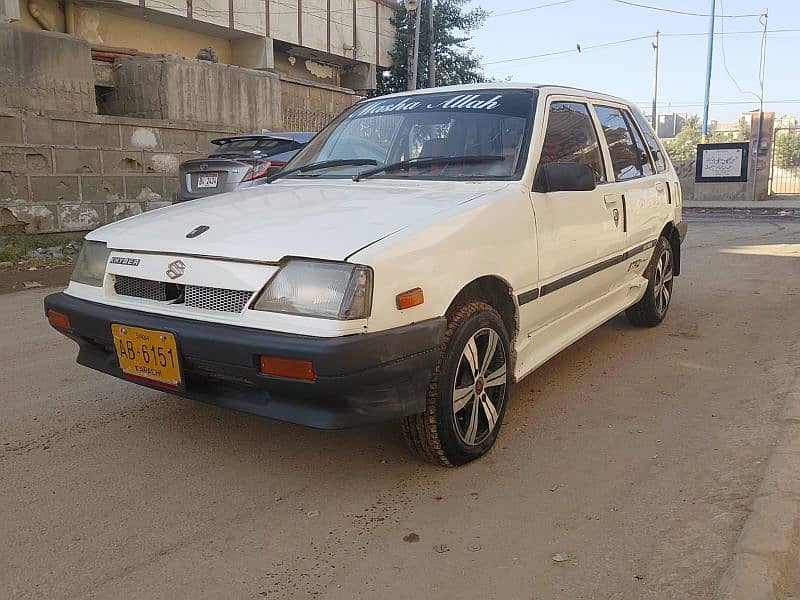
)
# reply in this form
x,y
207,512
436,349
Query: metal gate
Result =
x,y
784,178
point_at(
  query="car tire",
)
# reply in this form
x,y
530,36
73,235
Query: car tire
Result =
x,y
653,307
464,408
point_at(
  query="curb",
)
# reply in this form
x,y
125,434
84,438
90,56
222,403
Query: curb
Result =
x,y
765,550
766,210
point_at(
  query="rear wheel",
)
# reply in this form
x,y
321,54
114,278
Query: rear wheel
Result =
x,y
468,393
653,306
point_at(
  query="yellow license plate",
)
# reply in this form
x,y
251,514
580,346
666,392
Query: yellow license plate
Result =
x,y
147,354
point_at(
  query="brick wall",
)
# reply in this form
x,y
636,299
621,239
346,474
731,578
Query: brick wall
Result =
x,y
77,173
311,107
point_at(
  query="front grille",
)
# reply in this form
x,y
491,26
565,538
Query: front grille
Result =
x,y
219,299
193,296
140,288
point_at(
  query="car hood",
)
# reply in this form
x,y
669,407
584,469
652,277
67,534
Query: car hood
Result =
x,y
327,219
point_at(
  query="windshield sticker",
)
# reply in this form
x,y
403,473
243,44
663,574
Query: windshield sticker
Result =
x,y
462,102
512,103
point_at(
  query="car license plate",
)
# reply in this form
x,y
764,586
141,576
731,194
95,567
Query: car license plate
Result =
x,y
147,354
207,181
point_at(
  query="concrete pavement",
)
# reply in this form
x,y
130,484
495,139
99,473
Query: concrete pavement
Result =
x,y
640,453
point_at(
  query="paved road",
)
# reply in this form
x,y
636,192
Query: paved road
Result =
x,y
635,451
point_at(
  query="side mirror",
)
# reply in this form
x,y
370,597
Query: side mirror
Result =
x,y
564,177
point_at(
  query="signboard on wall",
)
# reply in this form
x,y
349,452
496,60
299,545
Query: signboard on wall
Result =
x,y
722,163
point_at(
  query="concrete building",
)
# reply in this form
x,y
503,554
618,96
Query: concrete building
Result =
x,y
670,125
100,102
336,42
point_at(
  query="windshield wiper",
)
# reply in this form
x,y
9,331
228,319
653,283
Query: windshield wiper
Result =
x,y
433,160
340,162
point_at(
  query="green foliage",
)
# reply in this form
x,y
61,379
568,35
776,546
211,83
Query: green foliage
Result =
x,y
684,145
744,129
787,149
455,62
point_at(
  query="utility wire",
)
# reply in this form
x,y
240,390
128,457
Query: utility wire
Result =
x,y
681,12
752,31
578,49
722,103
522,10
724,58
633,39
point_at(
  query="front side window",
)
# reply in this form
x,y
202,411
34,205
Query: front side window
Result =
x,y
652,142
483,134
571,137
647,165
626,158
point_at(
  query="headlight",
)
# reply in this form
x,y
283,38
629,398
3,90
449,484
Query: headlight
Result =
x,y
91,264
319,289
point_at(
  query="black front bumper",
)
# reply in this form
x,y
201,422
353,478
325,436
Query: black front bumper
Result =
x,y
359,378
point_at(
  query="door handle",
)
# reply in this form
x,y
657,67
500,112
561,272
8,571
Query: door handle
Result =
x,y
660,187
610,200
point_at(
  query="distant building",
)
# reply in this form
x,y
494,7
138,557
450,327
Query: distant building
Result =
x,y
786,122
669,125
734,131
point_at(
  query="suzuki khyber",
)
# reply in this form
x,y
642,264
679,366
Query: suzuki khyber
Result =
x,y
418,256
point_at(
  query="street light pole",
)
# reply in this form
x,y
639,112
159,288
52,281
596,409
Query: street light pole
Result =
x,y
412,79
654,117
709,61
431,57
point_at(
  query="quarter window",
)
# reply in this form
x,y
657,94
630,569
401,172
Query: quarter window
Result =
x,y
650,138
571,137
628,157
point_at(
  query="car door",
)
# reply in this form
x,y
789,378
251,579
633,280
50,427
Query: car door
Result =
x,y
665,194
579,233
636,183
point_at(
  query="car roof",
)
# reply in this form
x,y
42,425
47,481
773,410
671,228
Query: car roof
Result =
x,y
542,88
289,136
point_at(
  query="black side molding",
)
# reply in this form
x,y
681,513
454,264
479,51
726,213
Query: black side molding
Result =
x,y
551,287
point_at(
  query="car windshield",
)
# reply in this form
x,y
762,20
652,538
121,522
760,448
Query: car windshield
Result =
x,y
489,128
253,146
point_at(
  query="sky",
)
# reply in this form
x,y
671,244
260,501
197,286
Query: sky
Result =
x,y
626,69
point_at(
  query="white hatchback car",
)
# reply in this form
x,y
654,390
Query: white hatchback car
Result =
x,y
423,252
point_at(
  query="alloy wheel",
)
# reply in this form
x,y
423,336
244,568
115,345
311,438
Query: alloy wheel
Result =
x,y
479,389
662,283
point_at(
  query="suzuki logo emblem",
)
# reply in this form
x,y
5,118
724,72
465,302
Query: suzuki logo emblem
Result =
x,y
175,269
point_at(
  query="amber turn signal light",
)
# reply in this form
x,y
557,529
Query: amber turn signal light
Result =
x,y
59,320
410,298
288,367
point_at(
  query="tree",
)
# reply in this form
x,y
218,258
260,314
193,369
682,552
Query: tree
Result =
x,y
684,145
787,149
455,62
744,129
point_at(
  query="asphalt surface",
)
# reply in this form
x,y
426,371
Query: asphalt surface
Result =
x,y
635,452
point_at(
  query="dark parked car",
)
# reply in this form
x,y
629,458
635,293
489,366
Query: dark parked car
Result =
x,y
238,162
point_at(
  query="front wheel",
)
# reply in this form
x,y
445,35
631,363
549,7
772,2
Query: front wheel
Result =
x,y
653,306
468,393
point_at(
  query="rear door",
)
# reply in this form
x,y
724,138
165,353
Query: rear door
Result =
x,y
579,233
636,182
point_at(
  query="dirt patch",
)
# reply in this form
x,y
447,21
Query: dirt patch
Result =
x,y
14,281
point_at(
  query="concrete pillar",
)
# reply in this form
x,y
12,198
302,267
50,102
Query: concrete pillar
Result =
x,y
253,52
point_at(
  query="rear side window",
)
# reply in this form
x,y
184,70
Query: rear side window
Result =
x,y
652,143
628,155
571,137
